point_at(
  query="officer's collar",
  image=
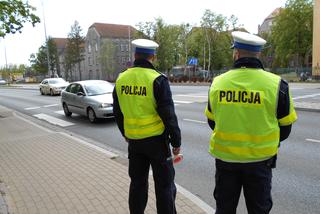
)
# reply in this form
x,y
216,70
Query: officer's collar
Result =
x,y
143,63
248,62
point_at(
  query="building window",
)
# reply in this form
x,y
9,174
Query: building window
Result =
x,y
89,48
96,46
89,60
122,47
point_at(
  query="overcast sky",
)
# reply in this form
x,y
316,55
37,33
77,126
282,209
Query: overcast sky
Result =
x,y
60,15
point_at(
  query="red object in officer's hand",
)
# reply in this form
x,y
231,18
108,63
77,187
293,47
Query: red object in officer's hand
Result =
x,y
177,158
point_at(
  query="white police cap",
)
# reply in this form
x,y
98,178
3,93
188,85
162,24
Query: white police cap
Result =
x,y
145,46
247,41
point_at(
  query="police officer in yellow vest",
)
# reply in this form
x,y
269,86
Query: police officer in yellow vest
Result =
x,y
145,115
250,111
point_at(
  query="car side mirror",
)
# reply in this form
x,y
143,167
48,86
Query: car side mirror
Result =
x,y
80,94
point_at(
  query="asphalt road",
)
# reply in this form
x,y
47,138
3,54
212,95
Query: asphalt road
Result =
x,y
296,186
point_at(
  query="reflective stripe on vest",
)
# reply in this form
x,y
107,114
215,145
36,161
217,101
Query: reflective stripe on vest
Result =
x,y
243,105
135,94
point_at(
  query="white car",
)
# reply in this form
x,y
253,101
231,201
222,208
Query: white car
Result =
x,y
91,98
52,86
3,82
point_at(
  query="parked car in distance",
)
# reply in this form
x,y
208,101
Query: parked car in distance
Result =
x,y
3,82
91,98
52,86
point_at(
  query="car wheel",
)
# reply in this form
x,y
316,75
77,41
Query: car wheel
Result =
x,y
41,92
66,110
91,115
51,92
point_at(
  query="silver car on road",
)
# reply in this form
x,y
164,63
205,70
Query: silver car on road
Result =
x,y
52,86
91,98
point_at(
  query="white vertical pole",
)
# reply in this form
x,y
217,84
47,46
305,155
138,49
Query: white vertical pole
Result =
x,y
129,36
45,34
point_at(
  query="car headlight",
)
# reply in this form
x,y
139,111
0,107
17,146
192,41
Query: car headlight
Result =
x,y
105,105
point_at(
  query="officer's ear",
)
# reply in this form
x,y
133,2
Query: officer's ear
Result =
x,y
152,58
236,54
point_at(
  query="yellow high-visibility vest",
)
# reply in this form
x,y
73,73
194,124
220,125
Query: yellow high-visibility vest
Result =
x,y
137,103
244,107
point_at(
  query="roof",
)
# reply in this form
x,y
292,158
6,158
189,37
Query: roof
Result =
x,y
60,42
274,13
113,30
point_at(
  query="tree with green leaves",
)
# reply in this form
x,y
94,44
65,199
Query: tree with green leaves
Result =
x,y
145,30
107,58
39,61
74,49
167,38
13,16
291,35
212,24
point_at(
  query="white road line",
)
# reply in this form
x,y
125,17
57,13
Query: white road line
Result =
x,y
32,108
195,121
47,106
59,112
313,140
183,102
305,96
53,120
186,95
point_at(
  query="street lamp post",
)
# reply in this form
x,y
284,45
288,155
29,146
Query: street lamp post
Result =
x,y
47,42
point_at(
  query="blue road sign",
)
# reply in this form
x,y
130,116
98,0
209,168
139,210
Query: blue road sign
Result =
x,y
193,61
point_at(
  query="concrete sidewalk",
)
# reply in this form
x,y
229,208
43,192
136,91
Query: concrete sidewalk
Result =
x,y
43,171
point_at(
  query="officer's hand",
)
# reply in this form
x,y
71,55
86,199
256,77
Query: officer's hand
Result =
x,y
175,150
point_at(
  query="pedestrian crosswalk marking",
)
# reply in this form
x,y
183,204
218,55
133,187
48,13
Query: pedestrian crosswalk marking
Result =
x,y
305,96
59,112
32,108
37,107
53,120
51,105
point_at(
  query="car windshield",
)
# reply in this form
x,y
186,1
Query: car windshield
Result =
x,y
56,81
99,88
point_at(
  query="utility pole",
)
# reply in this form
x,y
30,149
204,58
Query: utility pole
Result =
x,y
129,47
47,42
316,41
5,57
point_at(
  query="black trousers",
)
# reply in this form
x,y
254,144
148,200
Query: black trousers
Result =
x,y
141,156
254,178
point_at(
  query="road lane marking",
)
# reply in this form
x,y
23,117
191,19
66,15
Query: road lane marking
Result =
x,y
53,120
190,95
182,102
195,121
313,140
305,96
32,108
51,105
